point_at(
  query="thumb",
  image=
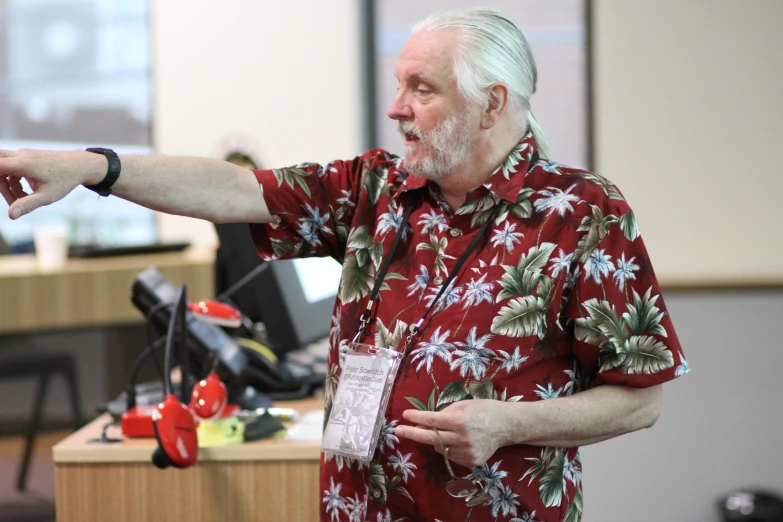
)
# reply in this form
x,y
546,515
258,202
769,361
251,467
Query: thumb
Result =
x,y
27,204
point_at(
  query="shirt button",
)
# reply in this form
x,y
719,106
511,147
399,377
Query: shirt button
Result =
x,y
455,232
438,281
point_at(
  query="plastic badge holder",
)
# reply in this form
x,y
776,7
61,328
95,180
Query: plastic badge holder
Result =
x,y
359,405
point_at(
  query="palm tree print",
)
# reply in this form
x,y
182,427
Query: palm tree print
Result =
x,y
391,220
556,201
477,292
510,361
451,295
598,265
387,438
420,282
356,508
489,477
334,502
683,368
504,501
432,221
625,271
436,347
402,464
472,356
507,237
561,263
549,392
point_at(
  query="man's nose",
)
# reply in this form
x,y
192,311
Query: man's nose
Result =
x,y
399,108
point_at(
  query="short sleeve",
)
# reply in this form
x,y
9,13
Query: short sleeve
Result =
x,y
312,207
623,333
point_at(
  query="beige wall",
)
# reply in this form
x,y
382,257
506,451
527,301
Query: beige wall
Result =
x,y
689,124
281,75
687,109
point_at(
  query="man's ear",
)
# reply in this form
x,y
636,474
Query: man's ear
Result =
x,y
497,101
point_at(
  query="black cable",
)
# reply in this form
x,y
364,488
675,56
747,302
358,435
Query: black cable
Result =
x,y
242,281
104,439
157,307
171,337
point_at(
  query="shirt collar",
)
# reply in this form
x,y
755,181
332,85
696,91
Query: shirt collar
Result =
x,y
507,180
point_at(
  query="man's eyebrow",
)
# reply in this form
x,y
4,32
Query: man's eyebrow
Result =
x,y
416,77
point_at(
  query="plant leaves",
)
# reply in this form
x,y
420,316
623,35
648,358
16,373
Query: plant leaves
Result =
x,y
645,354
377,490
481,389
521,317
373,181
609,357
545,286
629,226
516,282
298,176
360,238
553,484
536,258
357,280
452,392
607,321
280,247
417,403
643,316
587,330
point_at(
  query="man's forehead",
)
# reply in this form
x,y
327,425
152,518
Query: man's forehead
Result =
x,y
426,56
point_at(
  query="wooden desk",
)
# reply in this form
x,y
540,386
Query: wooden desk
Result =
x,y
88,293
273,480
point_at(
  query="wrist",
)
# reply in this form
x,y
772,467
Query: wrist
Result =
x,y
524,419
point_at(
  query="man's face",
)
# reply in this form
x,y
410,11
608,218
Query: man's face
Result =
x,y
435,121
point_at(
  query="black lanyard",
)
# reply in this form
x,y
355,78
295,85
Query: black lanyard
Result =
x,y
415,328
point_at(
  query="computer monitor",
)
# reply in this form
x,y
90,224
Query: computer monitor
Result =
x,y
294,299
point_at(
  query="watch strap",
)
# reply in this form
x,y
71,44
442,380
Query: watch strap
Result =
x,y
104,187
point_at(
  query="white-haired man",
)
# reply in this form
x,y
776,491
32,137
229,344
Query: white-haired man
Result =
x,y
517,289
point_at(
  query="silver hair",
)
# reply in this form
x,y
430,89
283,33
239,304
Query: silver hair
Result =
x,y
492,49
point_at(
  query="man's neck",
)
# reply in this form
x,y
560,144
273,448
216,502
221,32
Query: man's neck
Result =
x,y
471,174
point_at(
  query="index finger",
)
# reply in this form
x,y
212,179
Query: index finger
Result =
x,y
431,419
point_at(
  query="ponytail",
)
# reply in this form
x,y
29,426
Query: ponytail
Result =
x,y
538,134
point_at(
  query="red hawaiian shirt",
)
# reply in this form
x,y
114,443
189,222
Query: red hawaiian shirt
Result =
x,y
559,296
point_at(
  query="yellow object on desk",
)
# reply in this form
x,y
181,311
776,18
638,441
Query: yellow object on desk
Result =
x,y
239,428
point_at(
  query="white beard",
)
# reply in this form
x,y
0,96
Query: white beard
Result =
x,y
447,146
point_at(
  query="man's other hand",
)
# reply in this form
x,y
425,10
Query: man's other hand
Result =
x,y
473,430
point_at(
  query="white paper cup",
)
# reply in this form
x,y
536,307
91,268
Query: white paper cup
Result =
x,y
51,246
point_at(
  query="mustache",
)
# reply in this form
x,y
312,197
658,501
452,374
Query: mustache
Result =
x,y
406,127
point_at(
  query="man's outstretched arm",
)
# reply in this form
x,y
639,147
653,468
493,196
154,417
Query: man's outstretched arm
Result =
x,y
204,188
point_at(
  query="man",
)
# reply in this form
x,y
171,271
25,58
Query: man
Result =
x,y
520,292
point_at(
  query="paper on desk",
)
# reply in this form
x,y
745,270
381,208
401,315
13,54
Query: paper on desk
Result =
x,y
309,428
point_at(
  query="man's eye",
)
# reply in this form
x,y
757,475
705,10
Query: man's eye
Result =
x,y
423,91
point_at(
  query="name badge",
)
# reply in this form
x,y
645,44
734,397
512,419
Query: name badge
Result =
x,y
359,404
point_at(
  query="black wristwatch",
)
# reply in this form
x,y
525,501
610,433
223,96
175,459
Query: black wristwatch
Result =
x,y
104,187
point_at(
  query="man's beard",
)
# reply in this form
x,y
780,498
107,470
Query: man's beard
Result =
x,y
446,146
